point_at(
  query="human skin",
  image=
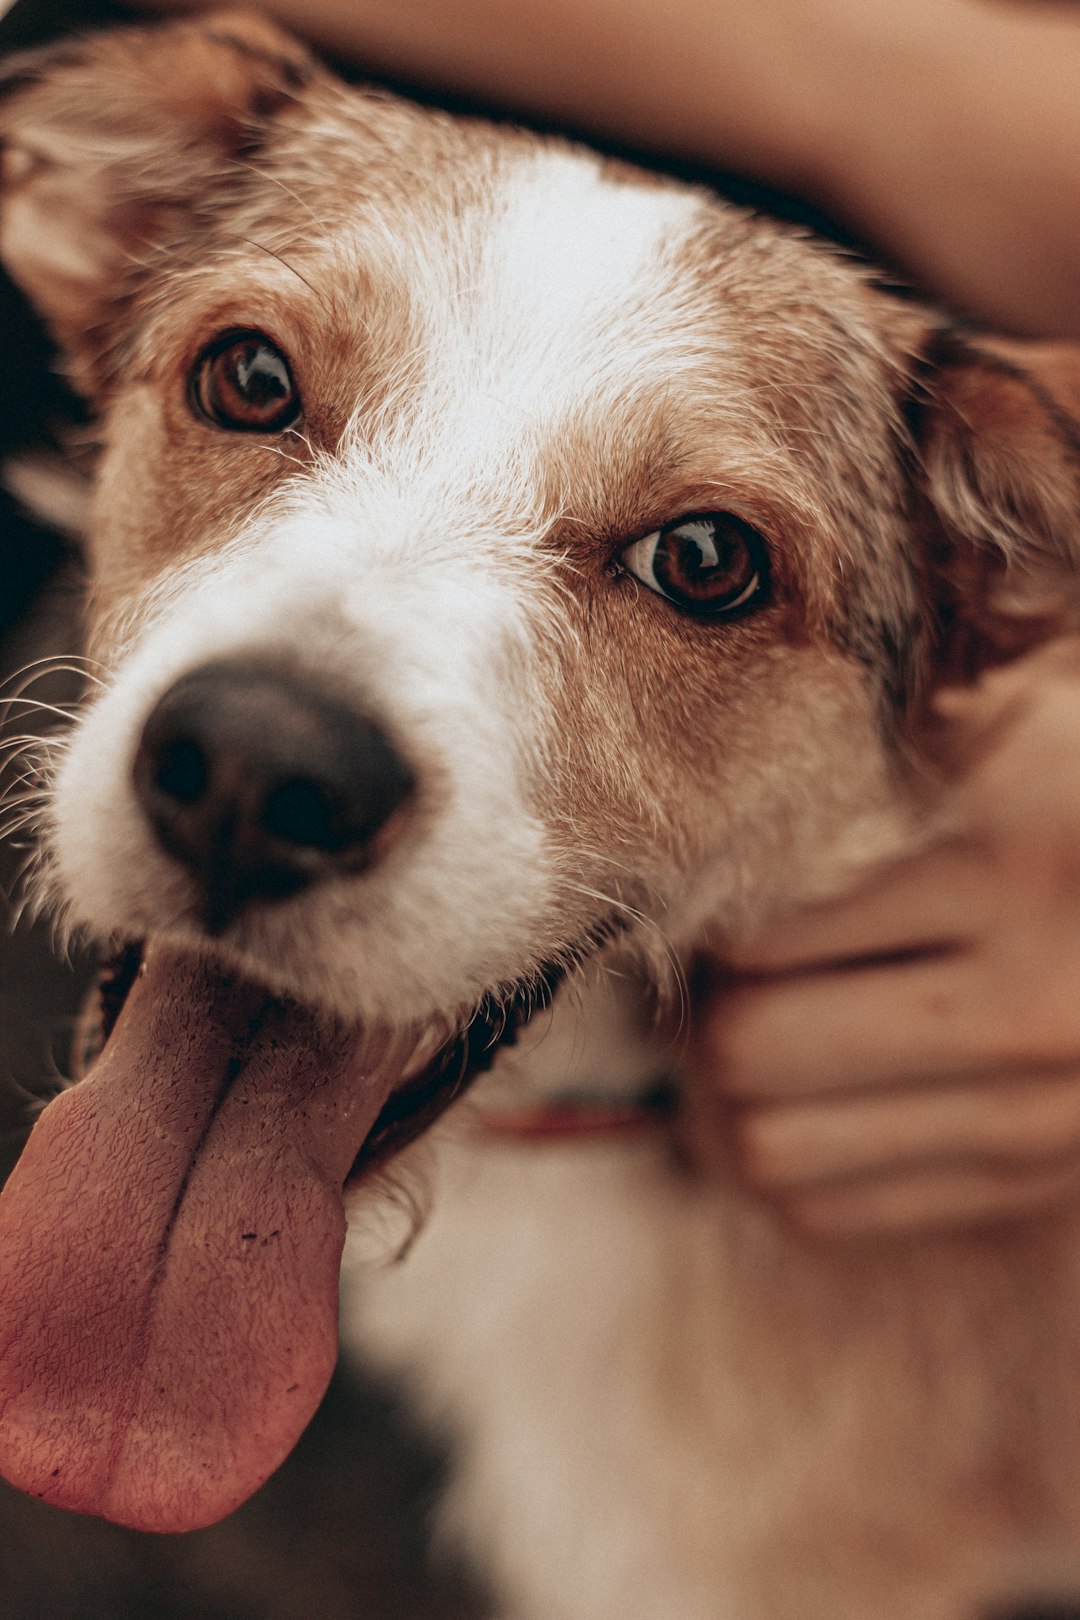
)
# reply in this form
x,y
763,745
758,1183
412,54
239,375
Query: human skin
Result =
x,y
946,132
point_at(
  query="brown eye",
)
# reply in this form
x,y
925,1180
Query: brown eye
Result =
x,y
713,564
242,382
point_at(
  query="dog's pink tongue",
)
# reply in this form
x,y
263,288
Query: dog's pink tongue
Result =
x,y
169,1251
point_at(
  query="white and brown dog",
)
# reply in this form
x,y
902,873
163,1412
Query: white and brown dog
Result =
x,y
499,558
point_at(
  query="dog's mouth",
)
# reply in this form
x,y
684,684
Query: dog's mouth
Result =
x,y
422,1094
171,1238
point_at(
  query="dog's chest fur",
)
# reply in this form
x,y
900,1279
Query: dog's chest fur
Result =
x,y
662,1402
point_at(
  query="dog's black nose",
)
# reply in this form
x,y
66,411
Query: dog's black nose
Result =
x,y
260,785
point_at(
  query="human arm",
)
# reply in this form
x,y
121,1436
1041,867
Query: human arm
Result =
x,y
947,132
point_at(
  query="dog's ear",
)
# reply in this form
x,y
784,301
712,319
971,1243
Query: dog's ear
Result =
x,y
996,425
109,147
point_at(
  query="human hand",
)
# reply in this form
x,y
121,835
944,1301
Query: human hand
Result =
x,y
909,1056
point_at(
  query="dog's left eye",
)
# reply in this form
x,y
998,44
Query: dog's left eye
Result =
x,y
242,382
712,564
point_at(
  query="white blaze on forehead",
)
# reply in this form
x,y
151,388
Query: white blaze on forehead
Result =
x,y
579,277
562,287
406,570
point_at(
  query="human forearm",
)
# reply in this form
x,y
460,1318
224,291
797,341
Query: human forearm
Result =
x,y
745,84
945,131
957,147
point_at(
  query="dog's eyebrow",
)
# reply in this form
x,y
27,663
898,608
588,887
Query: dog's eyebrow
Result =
x,y
262,247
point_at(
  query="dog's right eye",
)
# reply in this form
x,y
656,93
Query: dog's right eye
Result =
x,y
242,382
712,564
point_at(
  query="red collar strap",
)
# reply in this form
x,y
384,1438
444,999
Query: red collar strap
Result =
x,y
554,1119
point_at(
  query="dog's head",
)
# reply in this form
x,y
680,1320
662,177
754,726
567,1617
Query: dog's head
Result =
x,y
492,548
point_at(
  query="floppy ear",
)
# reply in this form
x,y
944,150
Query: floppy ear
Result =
x,y
108,144
997,432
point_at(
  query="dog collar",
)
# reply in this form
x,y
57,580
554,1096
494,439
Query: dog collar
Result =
x,y
555,1119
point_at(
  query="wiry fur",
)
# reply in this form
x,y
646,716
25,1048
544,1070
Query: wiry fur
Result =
x,y
515,358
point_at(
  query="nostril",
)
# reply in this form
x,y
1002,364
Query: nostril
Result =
x,y
182,771
299,812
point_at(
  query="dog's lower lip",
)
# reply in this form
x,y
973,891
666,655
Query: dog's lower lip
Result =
x,y
423,1096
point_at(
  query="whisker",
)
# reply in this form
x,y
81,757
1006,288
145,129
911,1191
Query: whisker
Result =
x,y
33,795
27,740
13,826
36,706
276,450
36,769
39,669
308,446
280,258
652,927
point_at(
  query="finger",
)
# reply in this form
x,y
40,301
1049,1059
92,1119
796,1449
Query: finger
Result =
x,y
1009,691
966,724
933,1200
862,1030
938,898
1017,1122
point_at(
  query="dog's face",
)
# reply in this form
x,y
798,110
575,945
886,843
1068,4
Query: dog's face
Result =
x,y
512,396
492,547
